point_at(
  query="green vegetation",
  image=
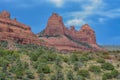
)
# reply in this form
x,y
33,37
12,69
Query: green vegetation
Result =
x,y
110,75
32,62
95,69
83,73
107,66
100,60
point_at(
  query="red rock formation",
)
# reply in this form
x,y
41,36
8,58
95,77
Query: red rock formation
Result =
x,y
69,39
85,34
55,25
12,30
5,14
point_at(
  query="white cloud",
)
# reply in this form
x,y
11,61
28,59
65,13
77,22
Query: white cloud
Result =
x,y
76,22
112,13
89,8
57,3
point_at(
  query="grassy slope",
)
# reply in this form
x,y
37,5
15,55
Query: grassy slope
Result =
x,y
33,62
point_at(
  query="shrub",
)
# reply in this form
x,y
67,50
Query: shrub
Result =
x,y
53,77
51,56
3,64
100,60
107,66
58,62
19,74
60,75
95,69
30,75
73,58
34,57
83,73
76,67
2,76
104,78
80,78
41,76
65,59
84,58
70,75
43,68
107,76
3,44
114,73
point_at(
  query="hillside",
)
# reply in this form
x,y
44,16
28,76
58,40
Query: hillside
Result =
x,y
57,53
32,62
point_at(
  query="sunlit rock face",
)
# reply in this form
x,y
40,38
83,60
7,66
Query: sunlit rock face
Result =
x,y
69,39
55,25
12,30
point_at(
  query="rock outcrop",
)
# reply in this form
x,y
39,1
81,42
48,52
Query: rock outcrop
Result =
x,y
62,38
55,25
85,34
12,30
55,35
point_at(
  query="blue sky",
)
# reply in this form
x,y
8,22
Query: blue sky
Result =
x,y
102,15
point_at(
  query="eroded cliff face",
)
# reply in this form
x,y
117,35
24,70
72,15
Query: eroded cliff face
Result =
x,y
55,35
12,30
85,34
69,39
55,25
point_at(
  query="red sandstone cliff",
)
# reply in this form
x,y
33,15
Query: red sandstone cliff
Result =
x,y
55,25
12,30
55,35
62,38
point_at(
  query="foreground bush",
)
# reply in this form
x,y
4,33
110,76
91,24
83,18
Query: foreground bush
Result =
x,y
114,73
43,68
110,75
106,76
83,73
95,69
30,75
70,75
100,60
107,66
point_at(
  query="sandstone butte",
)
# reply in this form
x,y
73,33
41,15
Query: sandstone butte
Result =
x,y
13,31
55,35
60,37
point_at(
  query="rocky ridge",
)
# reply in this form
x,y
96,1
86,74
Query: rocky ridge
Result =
x,y
62,38
12,30
55,35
